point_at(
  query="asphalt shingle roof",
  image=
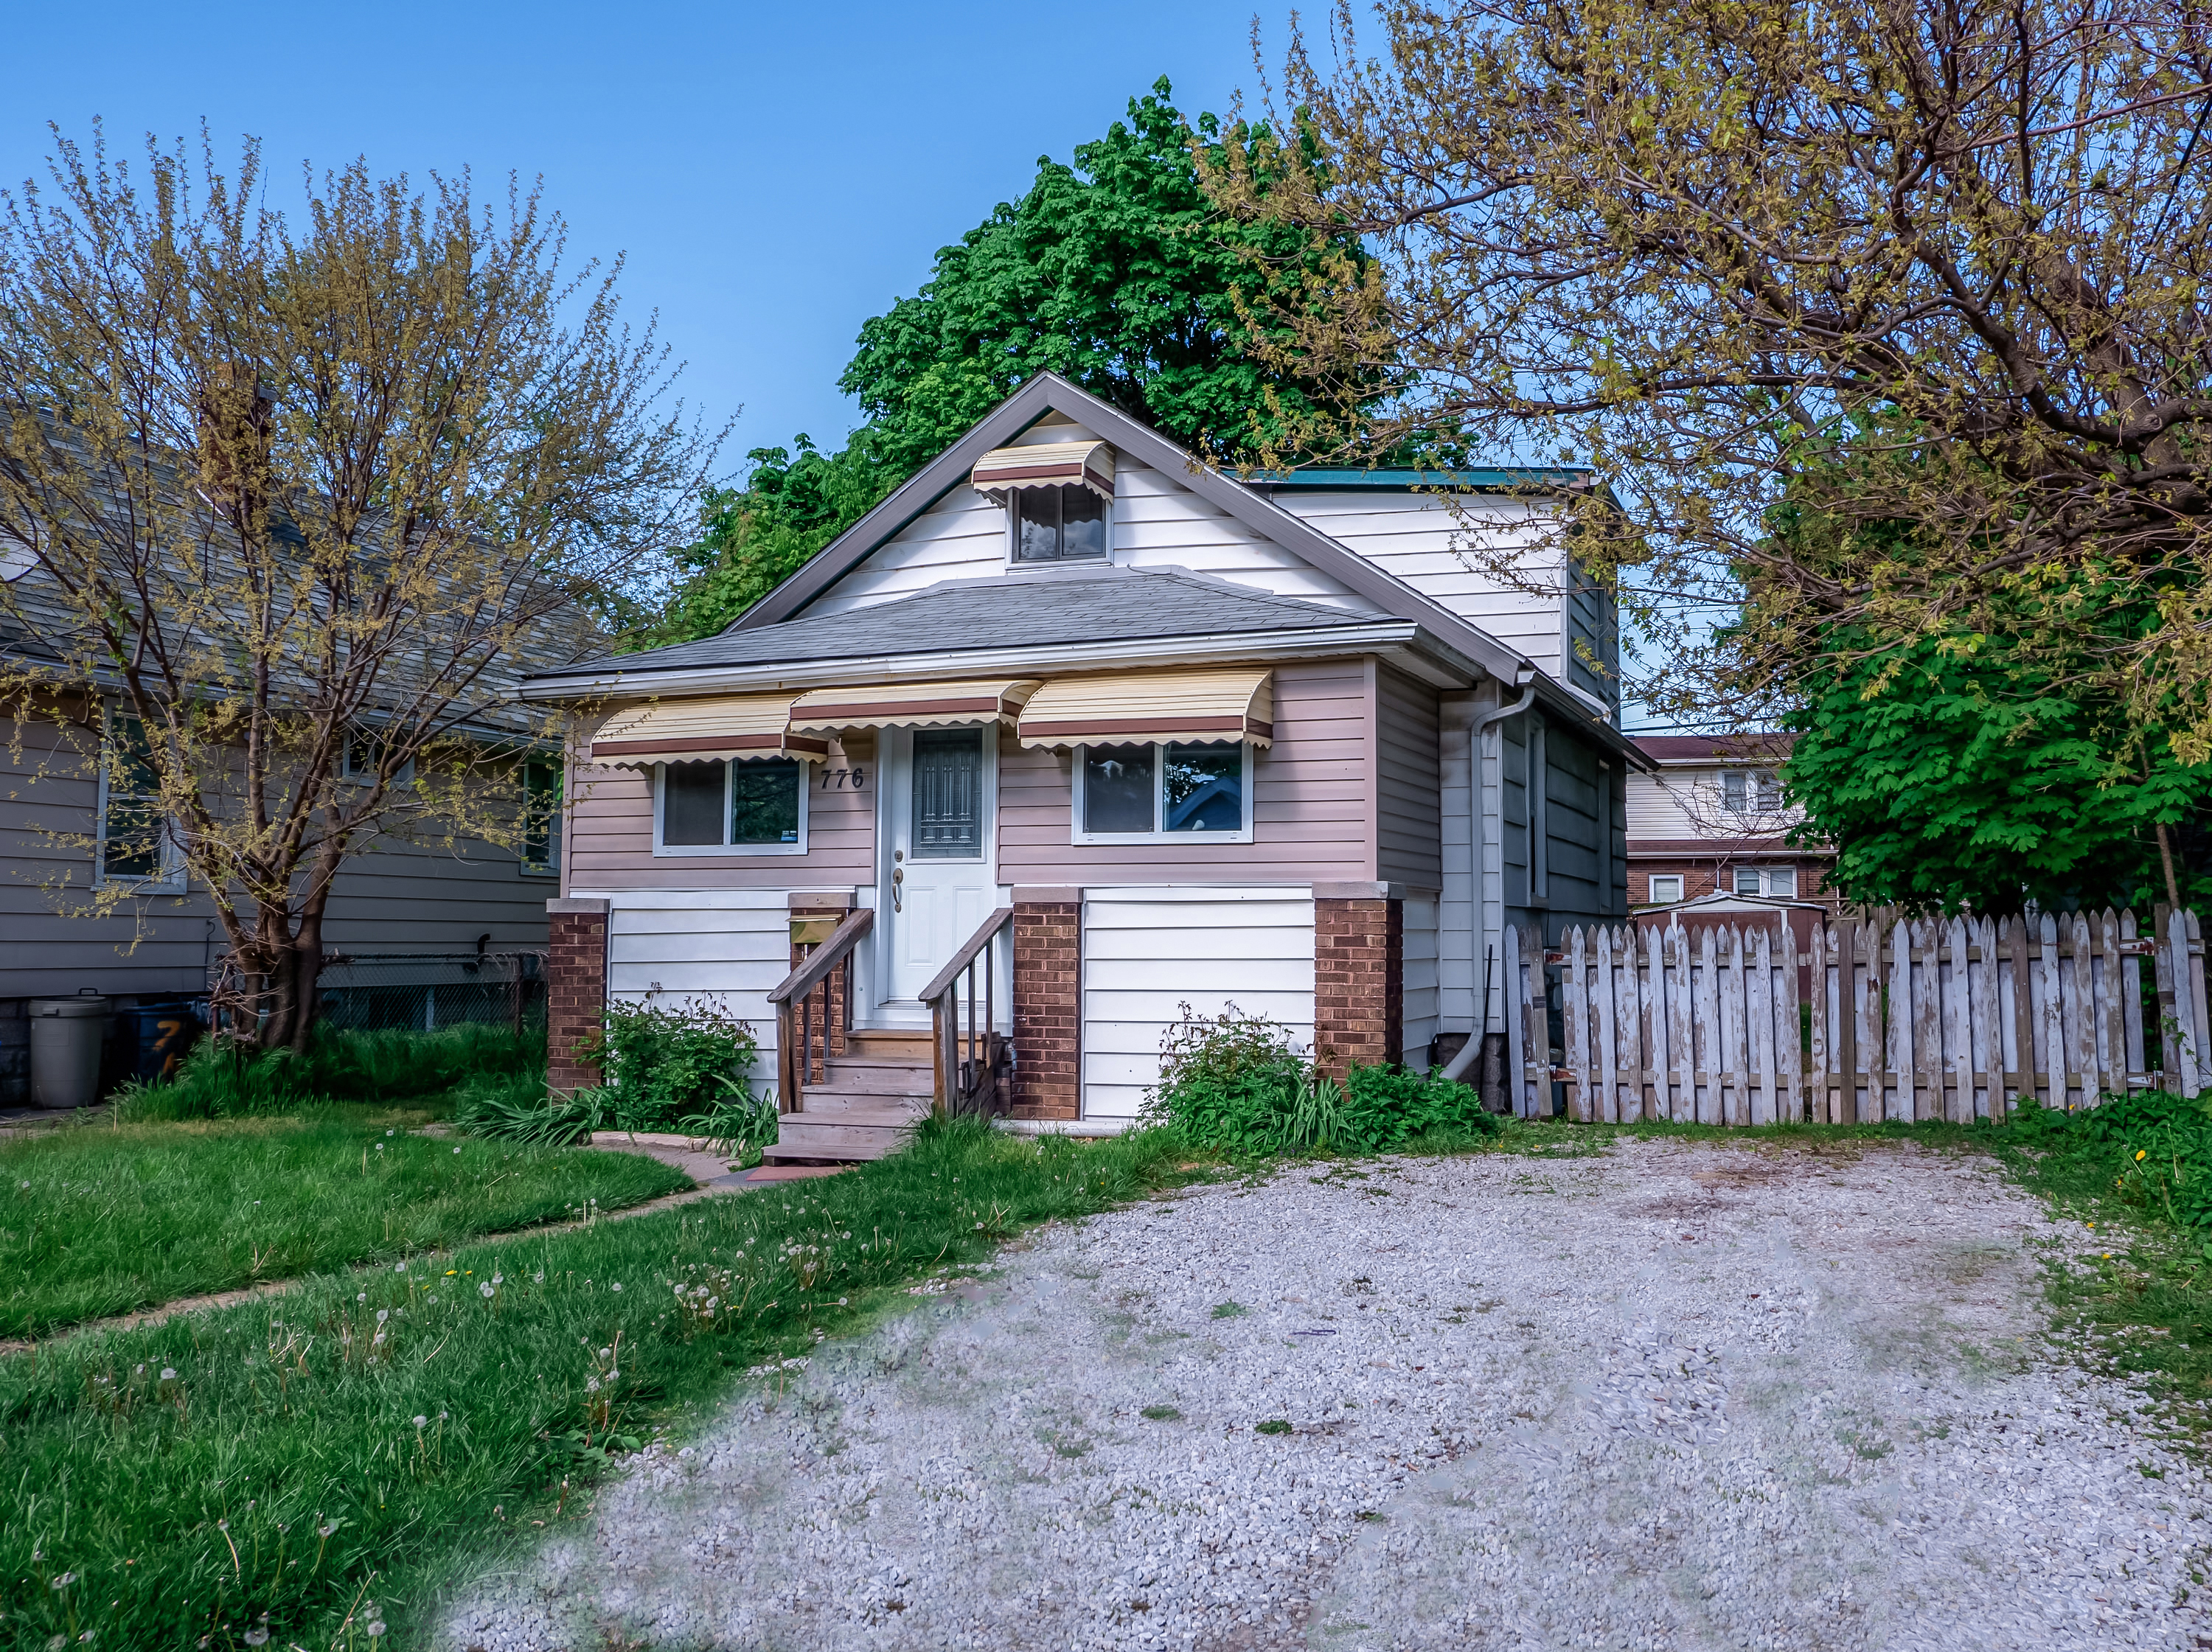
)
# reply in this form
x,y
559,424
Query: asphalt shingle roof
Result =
x,y
1107,606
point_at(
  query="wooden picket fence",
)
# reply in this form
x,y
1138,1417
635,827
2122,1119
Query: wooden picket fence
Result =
x,y
1910,1018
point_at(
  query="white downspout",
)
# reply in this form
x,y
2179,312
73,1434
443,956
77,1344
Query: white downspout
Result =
x,y
1525,680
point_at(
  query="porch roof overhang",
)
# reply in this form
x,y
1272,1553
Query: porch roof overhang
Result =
x,y
739,726
1197,705
911,705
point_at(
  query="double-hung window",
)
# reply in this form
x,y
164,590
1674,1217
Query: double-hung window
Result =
x,y
747,807
1745,791
364,759
138,842
1771,881
1664,889
1164,791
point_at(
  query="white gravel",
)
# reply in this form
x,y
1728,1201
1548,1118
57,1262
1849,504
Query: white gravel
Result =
x,y
1677,1396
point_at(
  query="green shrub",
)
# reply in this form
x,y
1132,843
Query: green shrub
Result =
x,y
1236,1082
665,1065
222,1081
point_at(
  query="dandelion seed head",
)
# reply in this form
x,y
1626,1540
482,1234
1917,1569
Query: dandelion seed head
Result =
x,y
484,1290
169,1373
422,1421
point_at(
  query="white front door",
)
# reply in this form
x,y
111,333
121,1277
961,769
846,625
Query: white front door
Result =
x,y
938,881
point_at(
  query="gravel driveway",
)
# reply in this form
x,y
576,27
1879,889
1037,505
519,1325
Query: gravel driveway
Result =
x,y
1676,1396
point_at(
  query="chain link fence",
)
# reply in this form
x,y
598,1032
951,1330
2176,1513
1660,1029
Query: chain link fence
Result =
x,y
420,991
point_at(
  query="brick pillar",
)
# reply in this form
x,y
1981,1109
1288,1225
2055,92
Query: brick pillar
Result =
x,y
1359,975
576,989
1048,1003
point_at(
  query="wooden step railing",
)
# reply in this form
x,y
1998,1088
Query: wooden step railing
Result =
x,y
971,1069
797,1020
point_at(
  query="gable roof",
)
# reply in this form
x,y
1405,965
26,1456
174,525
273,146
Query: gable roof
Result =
x,y
1048,393
1032,610
1751,746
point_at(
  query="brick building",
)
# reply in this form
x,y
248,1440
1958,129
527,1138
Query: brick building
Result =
x,y
1710,818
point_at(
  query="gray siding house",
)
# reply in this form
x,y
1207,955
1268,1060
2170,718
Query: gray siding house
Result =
x,y
1133,734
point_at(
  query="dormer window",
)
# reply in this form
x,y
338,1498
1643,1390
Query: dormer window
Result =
x,y
1059,524
1058,498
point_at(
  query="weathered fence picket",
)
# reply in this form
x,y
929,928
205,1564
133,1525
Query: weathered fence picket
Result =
x,y
1880,1017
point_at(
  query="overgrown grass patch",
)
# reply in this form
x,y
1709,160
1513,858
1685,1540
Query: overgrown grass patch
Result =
x,y
216,1081
98,1220
285,1464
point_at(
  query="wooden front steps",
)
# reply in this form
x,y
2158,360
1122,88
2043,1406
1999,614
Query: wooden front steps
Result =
x,y
862,1109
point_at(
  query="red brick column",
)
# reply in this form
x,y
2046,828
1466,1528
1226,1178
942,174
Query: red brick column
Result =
x,y
1048,1003
1359,975
576,989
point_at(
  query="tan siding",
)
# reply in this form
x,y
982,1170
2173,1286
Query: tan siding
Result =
x,y
1409,821
611,838
1312,813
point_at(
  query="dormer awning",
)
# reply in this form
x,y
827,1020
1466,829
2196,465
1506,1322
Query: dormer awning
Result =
x,y
741,726
911,705
1133,707
1005,471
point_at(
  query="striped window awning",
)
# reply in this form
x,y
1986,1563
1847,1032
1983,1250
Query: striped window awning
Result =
x,y
1004,470
911,705
740,726
1192,706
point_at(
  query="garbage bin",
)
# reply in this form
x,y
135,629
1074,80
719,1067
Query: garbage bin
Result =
x,y
165,1029
66,1038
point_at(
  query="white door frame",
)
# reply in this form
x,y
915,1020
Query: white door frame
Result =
x,y
894,832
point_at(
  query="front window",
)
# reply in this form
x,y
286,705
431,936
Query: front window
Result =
x,y
1165,790
1058,525
757,807
365,757
137,845
541,816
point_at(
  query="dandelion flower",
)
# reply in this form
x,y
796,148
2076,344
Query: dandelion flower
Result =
x,y
256,1637
606,1353
617,1285
361,1296
399,1267
374,1630
484,1290
382,1314
422,1421
497,1279
2139,1154
457,1152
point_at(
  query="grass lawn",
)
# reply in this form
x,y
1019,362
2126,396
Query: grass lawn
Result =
x,y
99,1219
323,1462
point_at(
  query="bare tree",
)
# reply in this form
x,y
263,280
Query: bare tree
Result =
x,y
287,503
1702,246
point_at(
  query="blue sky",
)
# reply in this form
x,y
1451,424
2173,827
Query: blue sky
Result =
x,y
776,173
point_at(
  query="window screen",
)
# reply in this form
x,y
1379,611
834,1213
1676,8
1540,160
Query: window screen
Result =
x,y
1746,880
1117,788
1782,880
1666,889
691,804
1735,791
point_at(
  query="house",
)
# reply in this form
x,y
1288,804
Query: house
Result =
x,y
1708,817
1075,710
405,919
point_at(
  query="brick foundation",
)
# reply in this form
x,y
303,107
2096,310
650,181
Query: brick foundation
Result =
x,y
1359,983
576,989
1047,1005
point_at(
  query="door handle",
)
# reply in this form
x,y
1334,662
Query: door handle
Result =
x,y
898,877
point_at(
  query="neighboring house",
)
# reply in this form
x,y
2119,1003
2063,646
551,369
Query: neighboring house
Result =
x,y
1201,741
69,771
1710,818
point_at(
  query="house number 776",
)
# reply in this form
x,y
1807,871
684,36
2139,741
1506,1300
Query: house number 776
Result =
x,y
844,779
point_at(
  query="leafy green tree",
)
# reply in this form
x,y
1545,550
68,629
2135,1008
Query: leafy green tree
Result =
x,y
1116,272
1975,774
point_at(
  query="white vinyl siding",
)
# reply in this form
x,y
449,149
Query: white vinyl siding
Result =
x,y
1147,951
725,948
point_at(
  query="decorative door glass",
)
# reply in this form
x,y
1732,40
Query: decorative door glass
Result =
x,y
948,795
